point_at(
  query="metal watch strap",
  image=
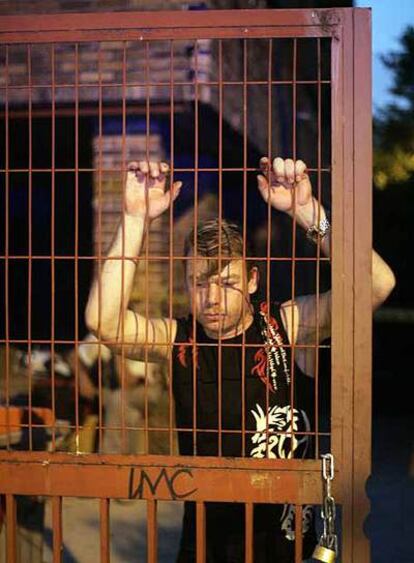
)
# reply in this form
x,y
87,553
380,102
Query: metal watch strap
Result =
x,y
318,231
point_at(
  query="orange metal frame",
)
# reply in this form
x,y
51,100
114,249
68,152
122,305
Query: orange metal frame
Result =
x,y
246,480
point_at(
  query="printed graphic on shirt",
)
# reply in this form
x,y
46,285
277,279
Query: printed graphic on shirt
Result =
x,y
182,352
275,438
288,520
280,440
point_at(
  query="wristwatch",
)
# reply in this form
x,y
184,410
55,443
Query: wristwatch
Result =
x,y
318,231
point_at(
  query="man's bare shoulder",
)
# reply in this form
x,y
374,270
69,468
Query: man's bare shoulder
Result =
x,y
307,317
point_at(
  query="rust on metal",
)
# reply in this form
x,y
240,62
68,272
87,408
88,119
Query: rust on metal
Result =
x,y
193,479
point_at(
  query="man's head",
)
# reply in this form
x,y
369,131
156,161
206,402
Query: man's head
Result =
x,y
218,280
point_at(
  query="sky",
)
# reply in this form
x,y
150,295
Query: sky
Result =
x,y
389,19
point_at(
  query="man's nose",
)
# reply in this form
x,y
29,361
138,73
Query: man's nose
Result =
x,y
213,294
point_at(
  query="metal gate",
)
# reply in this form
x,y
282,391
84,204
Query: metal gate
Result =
x,y
218,52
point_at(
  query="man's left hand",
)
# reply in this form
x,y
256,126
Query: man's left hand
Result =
x,y
285,183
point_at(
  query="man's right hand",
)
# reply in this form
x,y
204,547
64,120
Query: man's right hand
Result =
x,y
145,194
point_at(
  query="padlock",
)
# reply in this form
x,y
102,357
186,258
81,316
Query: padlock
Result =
x,y
322,553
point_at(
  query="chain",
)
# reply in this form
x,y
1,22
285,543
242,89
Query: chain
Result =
x,y
329,538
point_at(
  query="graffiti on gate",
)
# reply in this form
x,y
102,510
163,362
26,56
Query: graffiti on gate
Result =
x,y
141,481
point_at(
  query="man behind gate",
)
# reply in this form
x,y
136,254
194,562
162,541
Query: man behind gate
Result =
x,y
231,357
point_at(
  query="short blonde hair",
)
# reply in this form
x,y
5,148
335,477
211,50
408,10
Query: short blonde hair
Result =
x,y
209,242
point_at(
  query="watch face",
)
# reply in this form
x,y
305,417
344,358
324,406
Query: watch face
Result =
x,y
321,230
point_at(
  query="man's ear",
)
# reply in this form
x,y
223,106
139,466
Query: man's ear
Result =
x,y
253,282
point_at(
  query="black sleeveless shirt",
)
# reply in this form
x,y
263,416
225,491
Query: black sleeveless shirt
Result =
x,y
219,398
228,385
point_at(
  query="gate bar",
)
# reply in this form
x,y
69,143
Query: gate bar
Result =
x,y
362,185
248,534
298,533
325,18
11,528
138,26
152,547
57,529
104,530
200,532
239,480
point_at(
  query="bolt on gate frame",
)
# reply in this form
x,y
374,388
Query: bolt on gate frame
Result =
x,y
200,479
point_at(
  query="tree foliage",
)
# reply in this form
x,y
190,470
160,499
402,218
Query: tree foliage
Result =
x,y
394,126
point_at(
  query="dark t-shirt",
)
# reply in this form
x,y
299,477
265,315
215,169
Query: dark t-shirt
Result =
x,y
232,395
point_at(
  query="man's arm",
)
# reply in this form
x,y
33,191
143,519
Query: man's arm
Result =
x,y
107,313
383,280
287,185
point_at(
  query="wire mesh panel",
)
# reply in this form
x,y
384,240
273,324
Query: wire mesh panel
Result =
x,y
166,258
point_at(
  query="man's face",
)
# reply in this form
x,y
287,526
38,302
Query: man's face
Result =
x,y
220,300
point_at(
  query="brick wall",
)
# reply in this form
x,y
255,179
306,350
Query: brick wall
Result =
x,y
98,71
92,64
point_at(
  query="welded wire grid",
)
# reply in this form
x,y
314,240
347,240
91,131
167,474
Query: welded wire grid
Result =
x,y
278,88
195,170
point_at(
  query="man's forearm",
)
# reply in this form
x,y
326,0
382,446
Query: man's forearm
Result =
x,y
111,289
383,279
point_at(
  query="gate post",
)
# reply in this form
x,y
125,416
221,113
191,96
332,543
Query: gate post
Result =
x,y
356,223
